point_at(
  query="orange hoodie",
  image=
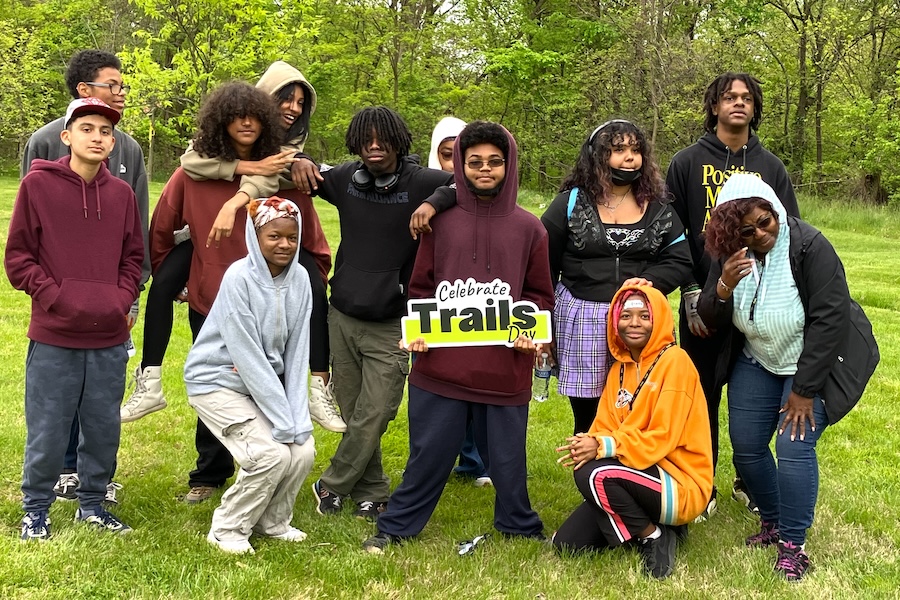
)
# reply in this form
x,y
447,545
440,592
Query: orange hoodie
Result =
x,y
667,425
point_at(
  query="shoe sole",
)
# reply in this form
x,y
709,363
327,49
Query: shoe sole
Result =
x,y
66,498
331,428
141,415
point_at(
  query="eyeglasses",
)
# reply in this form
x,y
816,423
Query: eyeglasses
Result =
x,y
731,99
493,163
114,88
748,231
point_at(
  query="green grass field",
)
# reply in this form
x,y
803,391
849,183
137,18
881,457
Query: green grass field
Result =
x,y
854,542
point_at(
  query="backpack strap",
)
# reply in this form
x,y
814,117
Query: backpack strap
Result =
x,y
573,195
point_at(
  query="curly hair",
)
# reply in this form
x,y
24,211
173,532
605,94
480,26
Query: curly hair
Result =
x,y
591,172
722,84
483,132
722,231
232,101
84,66
300,127
389,127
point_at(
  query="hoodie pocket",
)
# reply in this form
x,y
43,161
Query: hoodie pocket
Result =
x,y
88,306
368,295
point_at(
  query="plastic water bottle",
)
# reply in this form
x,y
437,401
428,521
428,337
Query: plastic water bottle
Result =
x,y
540,389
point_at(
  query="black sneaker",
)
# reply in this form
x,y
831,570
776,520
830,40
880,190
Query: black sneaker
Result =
x,y
327,503
66,485
369,510
740,494
659,554
35,526
378,542
102,520
792,562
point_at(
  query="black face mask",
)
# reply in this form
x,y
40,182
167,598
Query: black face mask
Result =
x,y
623,177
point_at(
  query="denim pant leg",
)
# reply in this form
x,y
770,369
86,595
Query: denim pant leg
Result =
x,y
798,475
754,398
54,378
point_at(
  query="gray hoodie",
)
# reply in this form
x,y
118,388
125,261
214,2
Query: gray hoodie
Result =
x,y
255,341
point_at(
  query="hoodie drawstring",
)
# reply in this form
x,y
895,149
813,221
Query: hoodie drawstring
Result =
x,y
475,236
97,189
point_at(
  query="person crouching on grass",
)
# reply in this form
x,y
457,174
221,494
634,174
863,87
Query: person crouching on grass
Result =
x,y
246,378
645,466
75,246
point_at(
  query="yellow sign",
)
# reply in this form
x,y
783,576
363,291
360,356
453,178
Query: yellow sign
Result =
x,y
469,313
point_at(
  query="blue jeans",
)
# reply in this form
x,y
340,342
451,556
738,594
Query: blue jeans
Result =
x,y
785,493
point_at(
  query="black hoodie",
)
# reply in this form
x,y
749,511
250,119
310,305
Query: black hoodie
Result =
x,y
697,173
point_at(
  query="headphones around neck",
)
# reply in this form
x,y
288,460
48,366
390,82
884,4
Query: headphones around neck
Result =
x,y
364,181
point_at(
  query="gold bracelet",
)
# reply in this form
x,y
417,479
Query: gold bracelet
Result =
x,y
727,288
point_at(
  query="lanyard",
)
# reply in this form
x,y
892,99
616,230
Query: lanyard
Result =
x,y
623,396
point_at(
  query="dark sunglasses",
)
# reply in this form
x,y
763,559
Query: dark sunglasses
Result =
x,y
493,163
748,231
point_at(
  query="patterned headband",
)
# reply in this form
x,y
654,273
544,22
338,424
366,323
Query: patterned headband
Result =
x,y
264,211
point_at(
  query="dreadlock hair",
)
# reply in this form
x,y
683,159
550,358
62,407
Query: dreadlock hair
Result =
x,y
84,66
232,101
389,128
482,132
722,237
722,84
591,173
300,127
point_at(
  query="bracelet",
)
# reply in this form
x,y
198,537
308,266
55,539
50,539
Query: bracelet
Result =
x,y
725,287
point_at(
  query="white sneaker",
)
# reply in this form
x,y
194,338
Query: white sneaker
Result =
x,y
235,547
484,481
322,407
291,535
147,396
111,488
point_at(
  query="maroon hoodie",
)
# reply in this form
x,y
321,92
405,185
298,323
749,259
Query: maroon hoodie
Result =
x,y
76,248
484,241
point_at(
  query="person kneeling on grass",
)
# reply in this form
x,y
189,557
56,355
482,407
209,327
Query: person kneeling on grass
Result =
x,y
645,466
246,378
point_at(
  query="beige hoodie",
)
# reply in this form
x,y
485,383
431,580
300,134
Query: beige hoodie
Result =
x,y
200,168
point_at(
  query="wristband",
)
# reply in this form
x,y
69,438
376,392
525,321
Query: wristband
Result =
x,y
725,287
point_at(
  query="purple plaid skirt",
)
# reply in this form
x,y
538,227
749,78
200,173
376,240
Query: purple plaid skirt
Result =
x,y
581,349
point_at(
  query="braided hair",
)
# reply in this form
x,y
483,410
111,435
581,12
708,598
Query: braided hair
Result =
x,y
389,128
722,84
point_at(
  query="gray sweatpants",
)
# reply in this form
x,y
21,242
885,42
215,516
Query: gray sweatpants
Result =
x,y
60,383
261,500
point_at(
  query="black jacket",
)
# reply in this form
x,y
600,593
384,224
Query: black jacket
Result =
x,y
839,352
698,172
376,255
593,270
